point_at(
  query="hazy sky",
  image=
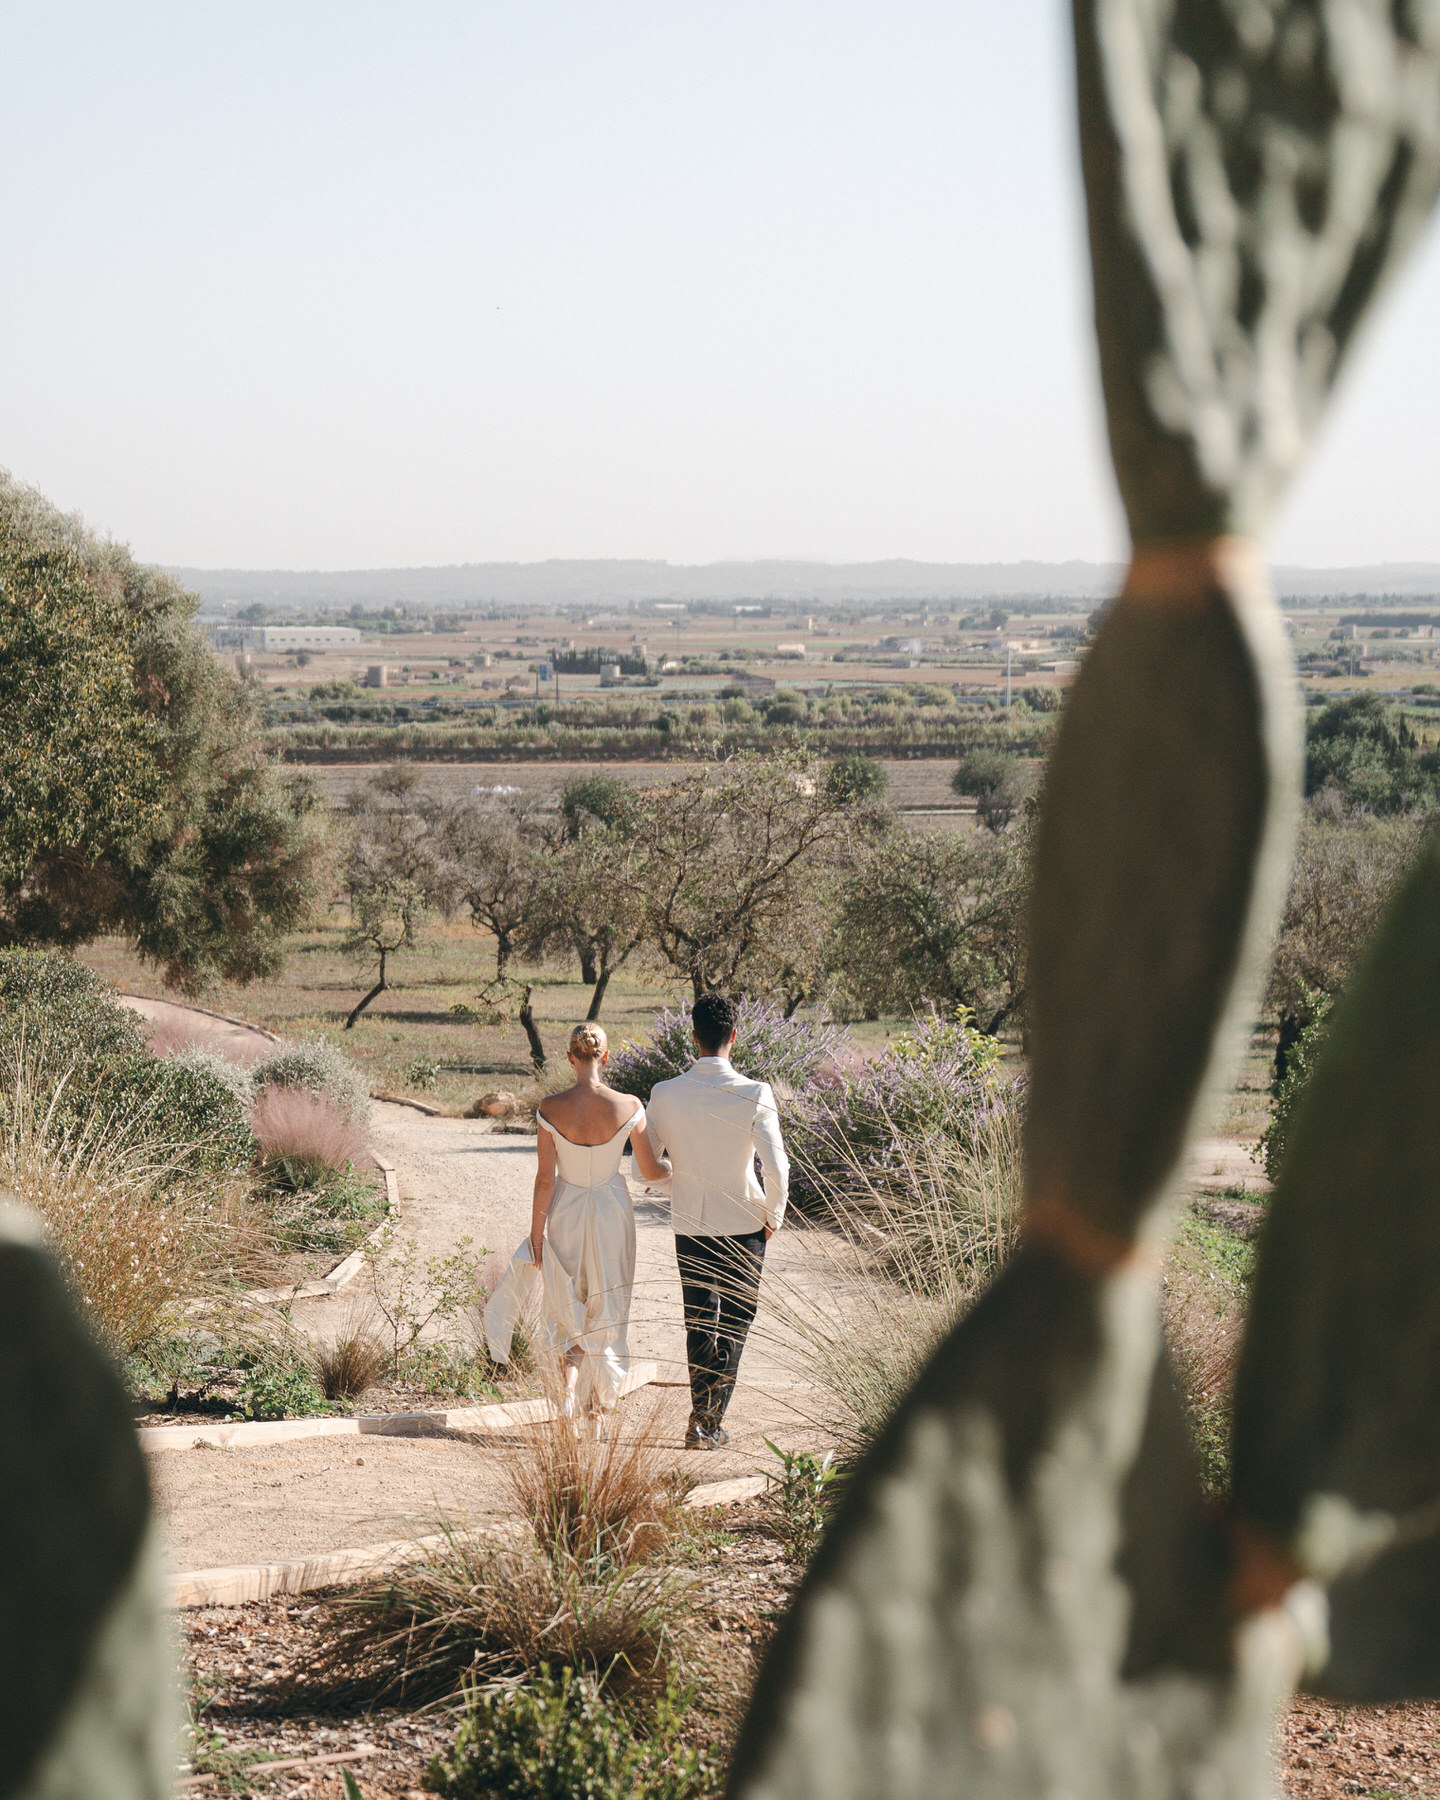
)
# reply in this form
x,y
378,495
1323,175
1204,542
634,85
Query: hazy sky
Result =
x,y
345,284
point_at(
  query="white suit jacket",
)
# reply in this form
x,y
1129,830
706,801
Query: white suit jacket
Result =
x,y
712,1123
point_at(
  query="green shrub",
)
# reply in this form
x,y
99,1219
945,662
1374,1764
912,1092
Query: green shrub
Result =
x,y
77,1036
335,1215
280,1383
939,1078
800,1499
857,777
66,1014
320,1068
559,1738
1286,1091
183,1096
421,1074
444,1367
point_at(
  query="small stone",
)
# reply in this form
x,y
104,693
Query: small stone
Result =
x,y
359,1462
500,1105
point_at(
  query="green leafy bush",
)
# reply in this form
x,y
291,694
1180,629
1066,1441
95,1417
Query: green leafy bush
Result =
x,y
280,1383
1362,746
421,1074
1286,1091
77,1037
333,1216
65,1013
938,1079
857,777
187,1098
800,1499
319,1068
446,1367
559,1738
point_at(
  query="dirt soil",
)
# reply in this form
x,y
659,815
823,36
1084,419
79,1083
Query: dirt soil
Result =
x,y
236,1658
1330,1751
460,1179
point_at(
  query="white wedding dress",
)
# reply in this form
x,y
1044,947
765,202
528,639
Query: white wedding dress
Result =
x,y
588,1269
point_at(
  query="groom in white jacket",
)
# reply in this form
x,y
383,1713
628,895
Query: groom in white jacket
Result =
x,y
712,1122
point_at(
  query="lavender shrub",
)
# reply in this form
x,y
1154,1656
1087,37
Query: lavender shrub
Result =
x,y
939,1080
788,1053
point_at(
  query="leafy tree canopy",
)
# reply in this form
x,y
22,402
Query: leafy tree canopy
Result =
x,y
135,794
1362,747
857,777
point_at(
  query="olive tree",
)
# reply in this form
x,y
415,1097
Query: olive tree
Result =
x,y
1347,866
936,919
727,863
585,900
135,791
491,850
393,872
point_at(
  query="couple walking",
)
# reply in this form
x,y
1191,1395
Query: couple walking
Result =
x,y
700,1137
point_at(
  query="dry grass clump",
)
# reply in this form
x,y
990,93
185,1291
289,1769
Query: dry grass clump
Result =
x,y
577,1587
915,1240
357,1361
615,1500
474,1608
134,1229
304,1133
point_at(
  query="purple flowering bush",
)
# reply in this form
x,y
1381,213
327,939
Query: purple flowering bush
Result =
x,y
940,1080
788,1053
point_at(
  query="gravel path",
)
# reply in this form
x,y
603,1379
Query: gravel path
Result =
x,y
458,1179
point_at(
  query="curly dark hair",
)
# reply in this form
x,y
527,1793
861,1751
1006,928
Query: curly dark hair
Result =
x,y
713,1021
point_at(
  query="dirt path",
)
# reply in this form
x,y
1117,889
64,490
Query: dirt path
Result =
x,y
458,1179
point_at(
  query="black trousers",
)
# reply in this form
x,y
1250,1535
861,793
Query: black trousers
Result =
x,y
720,1289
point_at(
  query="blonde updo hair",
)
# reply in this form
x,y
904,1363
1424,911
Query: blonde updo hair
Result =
x,y
588,1042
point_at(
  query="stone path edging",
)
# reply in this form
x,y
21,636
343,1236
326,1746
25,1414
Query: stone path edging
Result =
x,y
244,1582
348,1267
498,1417
224,1018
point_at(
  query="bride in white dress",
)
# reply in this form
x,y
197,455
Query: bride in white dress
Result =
x,y
582,1223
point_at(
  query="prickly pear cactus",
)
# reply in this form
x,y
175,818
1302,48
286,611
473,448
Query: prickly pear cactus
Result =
x,y
85,1665
1023,1594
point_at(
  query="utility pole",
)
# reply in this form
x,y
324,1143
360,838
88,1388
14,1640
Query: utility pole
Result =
x,y
1007,677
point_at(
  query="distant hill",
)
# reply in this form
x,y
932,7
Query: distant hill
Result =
x,y
616,583
462,586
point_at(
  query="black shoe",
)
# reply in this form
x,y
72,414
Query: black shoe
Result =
x,y
697,1435
719,1437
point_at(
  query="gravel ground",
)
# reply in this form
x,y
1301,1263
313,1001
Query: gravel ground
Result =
x,y
1328,1751
234,1658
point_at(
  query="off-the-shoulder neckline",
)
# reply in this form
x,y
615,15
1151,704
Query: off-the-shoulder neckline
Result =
x,y
555,1130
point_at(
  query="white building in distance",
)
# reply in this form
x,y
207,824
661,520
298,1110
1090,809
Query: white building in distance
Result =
x,y
301,637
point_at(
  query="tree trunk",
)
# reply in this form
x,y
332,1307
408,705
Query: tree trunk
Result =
x,y
379,988
589,974
1292,1027
697,983
527,1021
602,981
